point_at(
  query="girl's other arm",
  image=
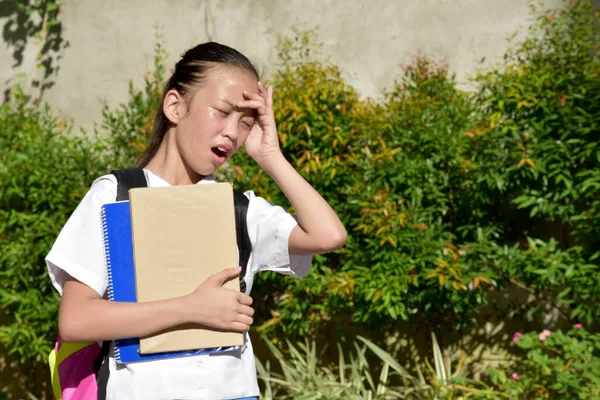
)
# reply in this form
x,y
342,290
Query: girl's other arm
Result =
x,y
319,229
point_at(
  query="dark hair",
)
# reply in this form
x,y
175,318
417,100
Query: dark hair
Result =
x,y
190,71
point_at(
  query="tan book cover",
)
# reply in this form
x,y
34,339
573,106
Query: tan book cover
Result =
x,y
181,236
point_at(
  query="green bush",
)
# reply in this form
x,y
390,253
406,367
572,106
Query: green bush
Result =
x,y
446,194
554,365
44,172
536,155
542,110
388,169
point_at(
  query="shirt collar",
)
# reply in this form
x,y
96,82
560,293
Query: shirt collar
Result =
x,y
155,180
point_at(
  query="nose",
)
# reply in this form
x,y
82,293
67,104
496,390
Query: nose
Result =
x,y
231,130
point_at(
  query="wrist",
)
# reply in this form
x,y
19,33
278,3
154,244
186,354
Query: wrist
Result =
x,y
184,310
272,162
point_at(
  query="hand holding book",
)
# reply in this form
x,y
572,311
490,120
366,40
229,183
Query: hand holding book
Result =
x,y
216,307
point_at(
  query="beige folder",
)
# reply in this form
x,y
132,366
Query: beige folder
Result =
x,y
181,236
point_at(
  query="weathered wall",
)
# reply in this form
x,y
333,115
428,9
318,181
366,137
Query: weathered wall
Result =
x,y
109,42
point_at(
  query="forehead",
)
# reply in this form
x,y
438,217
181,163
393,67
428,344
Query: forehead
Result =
x,y
232,81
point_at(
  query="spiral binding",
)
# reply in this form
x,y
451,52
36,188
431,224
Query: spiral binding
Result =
x,y
109,278
106,252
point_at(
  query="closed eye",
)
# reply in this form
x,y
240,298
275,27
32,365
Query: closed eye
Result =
x,y
248,122
223,113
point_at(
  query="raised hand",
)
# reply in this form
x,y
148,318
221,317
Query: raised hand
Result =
x,y
262,143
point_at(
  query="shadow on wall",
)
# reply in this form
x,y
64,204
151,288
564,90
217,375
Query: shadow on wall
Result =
x,y
34,23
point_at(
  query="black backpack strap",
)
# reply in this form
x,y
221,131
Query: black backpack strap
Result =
x,y
101,368
243,240
129,179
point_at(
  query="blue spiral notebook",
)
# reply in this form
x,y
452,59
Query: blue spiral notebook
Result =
x,y
118,255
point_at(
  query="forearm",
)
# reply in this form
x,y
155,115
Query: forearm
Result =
x,y
321,229
98,319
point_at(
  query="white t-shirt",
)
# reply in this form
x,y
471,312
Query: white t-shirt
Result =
x,y
78,252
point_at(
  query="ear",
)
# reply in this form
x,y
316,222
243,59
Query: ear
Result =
x,y
174,106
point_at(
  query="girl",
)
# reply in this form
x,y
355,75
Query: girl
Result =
x,y
212,105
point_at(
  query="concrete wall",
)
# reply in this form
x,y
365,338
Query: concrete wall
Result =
x,y
103,44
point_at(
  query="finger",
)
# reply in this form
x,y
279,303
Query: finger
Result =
x,y
261,89
254,103
244,319
224,276
242,309
269,99
252,95
258,105
239,327
244,299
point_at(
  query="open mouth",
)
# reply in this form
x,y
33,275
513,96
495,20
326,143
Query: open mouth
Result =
x,y
220,153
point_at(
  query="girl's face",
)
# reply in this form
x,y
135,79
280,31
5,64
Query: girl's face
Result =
x,y
212,129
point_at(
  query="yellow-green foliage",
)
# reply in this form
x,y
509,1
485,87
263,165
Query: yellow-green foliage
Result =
x,y
430,181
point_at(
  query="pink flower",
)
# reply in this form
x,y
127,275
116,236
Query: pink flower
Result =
x,y
515,376
544,334
516,337
578,326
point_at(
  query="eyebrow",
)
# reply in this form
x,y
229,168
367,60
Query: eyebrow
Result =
x,y
228,102
254,112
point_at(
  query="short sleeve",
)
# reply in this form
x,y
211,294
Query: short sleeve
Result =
x,y
78,249
269,229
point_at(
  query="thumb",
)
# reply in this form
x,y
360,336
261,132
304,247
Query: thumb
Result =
x,y
222,277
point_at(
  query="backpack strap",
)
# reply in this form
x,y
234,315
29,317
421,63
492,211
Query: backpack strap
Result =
x,y
129,179
241,229
102,370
